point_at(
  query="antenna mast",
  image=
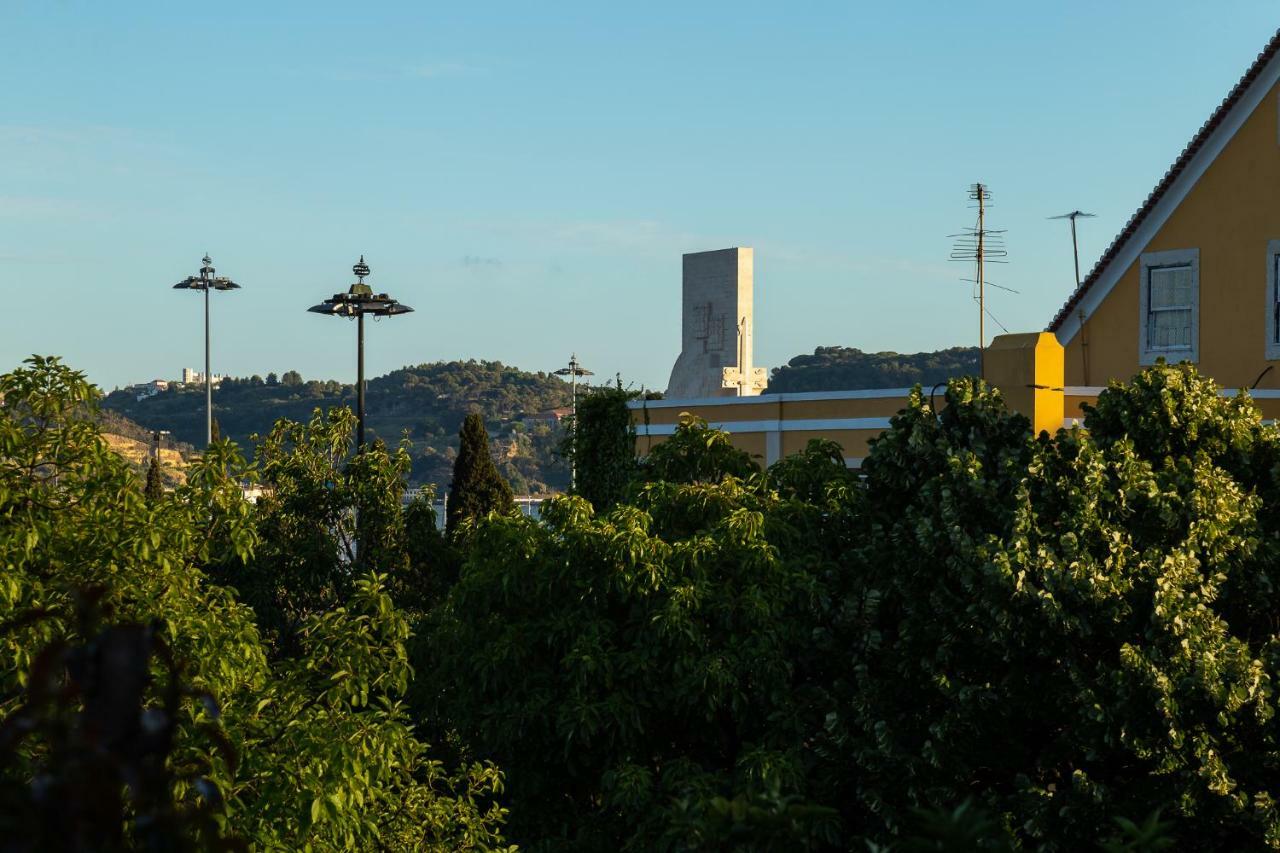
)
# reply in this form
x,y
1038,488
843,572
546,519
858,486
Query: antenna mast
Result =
x,y
1075,248
1075,255
982,246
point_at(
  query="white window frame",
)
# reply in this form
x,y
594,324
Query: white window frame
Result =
x,y
1148,354
1273,257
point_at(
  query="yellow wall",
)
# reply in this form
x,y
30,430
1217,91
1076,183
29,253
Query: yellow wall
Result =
x,y
1229,216
1027,368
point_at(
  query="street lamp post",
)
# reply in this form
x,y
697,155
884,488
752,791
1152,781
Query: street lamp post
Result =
x,y
158,437
573,371
358,301
207,281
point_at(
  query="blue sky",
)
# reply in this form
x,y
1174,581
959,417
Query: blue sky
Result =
x,y
527,176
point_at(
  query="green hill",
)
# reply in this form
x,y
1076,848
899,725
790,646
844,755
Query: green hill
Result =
x,y
848,368
426,402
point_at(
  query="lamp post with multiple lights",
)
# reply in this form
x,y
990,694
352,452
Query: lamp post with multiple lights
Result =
x,y
573,371
358,301
207,281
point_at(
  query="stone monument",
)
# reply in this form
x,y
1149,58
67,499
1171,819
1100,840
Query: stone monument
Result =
x,y
716,327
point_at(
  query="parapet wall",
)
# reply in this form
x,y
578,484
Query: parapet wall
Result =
x,y
1027,368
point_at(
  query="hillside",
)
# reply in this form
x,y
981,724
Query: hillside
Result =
x,y
427,402
135,443
847,368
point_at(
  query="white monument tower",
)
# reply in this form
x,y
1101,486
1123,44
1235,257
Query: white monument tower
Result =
x,y
716,347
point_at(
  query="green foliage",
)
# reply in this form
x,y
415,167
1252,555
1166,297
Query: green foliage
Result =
x,y
964,829
984,640
601,442
426,402
310,750
153,490
106,725
477,488
696,454
633,667
1151,835
1054,632
841,368
1078,627
324,518
434,561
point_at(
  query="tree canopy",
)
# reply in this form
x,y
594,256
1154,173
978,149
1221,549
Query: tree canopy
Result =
x,y
982,640
425,402
309,750
477,488
840,368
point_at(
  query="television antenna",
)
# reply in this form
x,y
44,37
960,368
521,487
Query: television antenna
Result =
x,y
1075,254
1075,247
982,246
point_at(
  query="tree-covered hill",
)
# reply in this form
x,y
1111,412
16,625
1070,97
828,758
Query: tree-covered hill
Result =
x,y
846,368
427,402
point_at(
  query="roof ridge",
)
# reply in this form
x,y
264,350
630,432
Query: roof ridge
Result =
x,y
1171,174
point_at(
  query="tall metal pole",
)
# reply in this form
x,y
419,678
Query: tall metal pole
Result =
x,y
573,460
573,371
207,281
208,377
354,304
1075,251
982,307
359,382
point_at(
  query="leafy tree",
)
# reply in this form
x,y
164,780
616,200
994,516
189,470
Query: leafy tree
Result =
x,y
601,442
108,728
840,368
477,488
272,379
632,667
1080,628
434,561
427,400
312,750
324,519
215,430
153,491
696,454
291,377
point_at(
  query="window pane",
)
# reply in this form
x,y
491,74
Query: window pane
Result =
x,y
1170,329
1170,287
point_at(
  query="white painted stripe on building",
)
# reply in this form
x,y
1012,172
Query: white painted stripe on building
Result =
x,y
803,425
794,397
1255,393
1095,390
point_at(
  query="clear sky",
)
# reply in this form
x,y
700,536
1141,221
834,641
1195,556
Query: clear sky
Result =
x,y
527,175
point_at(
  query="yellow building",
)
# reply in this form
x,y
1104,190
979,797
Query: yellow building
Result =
x,y
1193,276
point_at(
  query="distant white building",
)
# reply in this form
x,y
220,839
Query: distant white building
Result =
x,y
149,389
195,377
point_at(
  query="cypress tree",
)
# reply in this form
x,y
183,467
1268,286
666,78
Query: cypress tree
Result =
x,y
477,488
154,490
216,432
